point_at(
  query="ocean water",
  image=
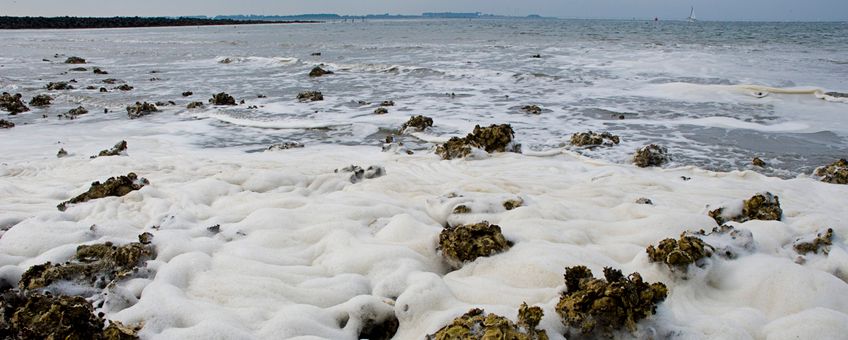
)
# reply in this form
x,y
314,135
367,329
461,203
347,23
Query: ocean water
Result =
x,y
297,250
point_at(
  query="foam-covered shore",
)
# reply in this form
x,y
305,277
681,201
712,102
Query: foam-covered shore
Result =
x,y
303,252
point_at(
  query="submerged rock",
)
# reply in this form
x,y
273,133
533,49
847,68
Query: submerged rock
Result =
x,y
651,155
285,146
835,173
837,94
110,81
36,315
764,206
114,186
59,85
532,109
140,110
310,96
381,111
12,103
78,69
513,203
821,241
599,307
594,139
495,138
757,161
187,93
679,254
62,153
466,242
418,122
387,103
97,70
358,173
222,99
477,325
124,87
73,113
41,100
5,124
195,105
116,150
317,71
74,60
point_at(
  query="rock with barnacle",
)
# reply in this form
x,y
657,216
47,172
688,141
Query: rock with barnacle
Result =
x,y
495,138
140,110
418,122
114,186
466,242
651,155
477,325
12,103
835,173
764,206
310,96
592,139
679,254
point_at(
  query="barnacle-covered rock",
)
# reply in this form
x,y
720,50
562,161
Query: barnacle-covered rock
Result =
x,y
317,71
310,96
387,103
651,155
12,103
114,186
495,138
119,331
74,60
466,242
598,307
594,139
59,85
97,70
41,100
822,240
194,105
679,254
418,122
763,206
116,150
381,111
139,110
124,87
758,162
532,109
835,173
44,316
5,124
358,173
513,203
73,113
222,99
477,325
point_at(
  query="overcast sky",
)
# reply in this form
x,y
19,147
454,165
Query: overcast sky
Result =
x,y
781,10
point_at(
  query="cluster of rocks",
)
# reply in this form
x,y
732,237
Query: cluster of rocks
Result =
x,y
116,150
114,186
139,110
763,206
476,324
591,139
357,173
651,155
41,100
12,103
317,71
495,138
222,99
310,96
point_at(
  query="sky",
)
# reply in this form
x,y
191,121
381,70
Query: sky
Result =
x,y
761,10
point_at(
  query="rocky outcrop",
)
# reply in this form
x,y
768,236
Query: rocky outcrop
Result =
x,y
651,155
418,122
764,206
679,254
139,110
317,71
74,60
310,96
477,325
12,103
465,243
222,99
495,138
116,150
114,186
41,100
597,308
592,139
835,173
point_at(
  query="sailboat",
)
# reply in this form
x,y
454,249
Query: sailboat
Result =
x,y
692,15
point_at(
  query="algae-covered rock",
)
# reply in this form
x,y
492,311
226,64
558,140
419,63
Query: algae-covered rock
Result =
x,y
96,265
119,331
139,110
73,113
651,155
194,105
74,60
317,71
116,150
387,103
835,173
5,124
59,85
764,206
41,100
598,307
310,96
358,173
513,203
590,139
418,122
758,162
495,138
39,316
124,87
114,186
466,242
822,240
477,325
12,103
679,254
381,111
222,99
532,109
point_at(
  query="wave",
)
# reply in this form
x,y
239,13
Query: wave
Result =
x,y
275,124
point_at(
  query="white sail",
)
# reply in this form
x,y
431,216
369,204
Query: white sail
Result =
x,y
692,14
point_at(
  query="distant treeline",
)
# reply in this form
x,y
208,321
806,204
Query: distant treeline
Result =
x,y
117,22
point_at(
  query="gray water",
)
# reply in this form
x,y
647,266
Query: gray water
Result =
x,y
672,82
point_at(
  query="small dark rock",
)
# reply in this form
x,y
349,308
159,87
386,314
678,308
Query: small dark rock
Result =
x,y
318,72
12,103
124,87
195,105
758,162
97,70
310,96
59,85
187,93
358,173
5,124
140,110
532,109
222,99
764,206
73,113
110,81
75,60
381,111
387,103
62,153
114,186
285,146
116,150
822,241
103,89
78,69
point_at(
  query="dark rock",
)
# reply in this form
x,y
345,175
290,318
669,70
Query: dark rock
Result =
x,y
222,99
145,238
225,61
110,81
285,146
5,124
59,85
36,315
764,206
103,89
536,56
41,100
835,173
679,254
195,105
114,186
318,72
532,109
821,241
358,173
140,110
187,93
12,103
590,139
124,87
73,113
116,150
387,103
381,111
97,70
758,162
78,69
597,308
466,242
382,327
837,94
495,138
476,325
316,54
261,96
513,203
62,153
74,60
651,155
90,87
310,96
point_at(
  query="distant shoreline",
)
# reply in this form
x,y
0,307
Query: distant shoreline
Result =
x,y
20,23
